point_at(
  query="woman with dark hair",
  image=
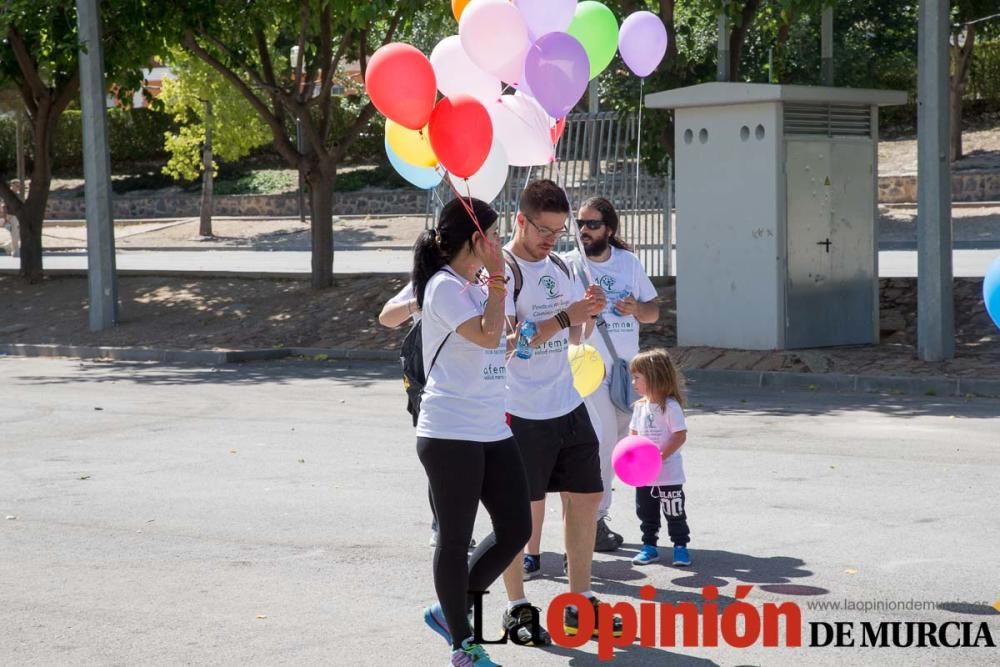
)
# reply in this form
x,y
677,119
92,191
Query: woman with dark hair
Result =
x,y
463,439
631,301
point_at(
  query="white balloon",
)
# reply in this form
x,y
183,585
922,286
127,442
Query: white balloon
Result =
x,y
495,37
486,183
457,74
523,127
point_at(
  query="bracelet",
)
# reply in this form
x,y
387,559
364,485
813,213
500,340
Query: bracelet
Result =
x,y
500,287
498,279
562,317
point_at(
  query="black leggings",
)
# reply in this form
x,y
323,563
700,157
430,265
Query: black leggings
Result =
x,y
462,474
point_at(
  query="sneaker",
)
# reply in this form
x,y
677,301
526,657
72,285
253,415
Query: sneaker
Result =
x,y
471,655
648,554
434,618
681,555
571,621
607,539
532,566
520,619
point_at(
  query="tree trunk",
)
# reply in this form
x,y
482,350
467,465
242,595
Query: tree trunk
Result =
x,y
207,202
321,208
956,90
30,220
738,36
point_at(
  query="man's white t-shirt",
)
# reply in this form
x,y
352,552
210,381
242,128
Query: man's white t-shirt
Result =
x,y
465,391
650,421
620,276
402,296
542,387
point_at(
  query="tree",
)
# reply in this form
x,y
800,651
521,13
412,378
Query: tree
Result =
x,y
212,122
40,57
247,43
966,17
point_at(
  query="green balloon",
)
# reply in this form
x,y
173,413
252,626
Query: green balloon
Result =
x,y
596,27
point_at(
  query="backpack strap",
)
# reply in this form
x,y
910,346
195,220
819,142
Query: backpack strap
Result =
x,y
601,324
558,261
427,375
515,268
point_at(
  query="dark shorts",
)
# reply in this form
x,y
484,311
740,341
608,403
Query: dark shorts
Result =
x,y
559,454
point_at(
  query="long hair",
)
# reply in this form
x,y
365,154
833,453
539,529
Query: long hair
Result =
x,y
663,379
610,217
436,247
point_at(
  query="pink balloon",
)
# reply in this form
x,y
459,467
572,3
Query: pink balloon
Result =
x,y
544,16
456,74
642,41
637,460
523,128
495,37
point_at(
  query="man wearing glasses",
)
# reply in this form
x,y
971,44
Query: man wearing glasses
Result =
x,y
631,301
550,423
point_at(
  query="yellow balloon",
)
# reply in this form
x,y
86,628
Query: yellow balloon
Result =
x,y
588,368
412,146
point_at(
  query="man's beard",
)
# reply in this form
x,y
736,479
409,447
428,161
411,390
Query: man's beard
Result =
x,y
596,247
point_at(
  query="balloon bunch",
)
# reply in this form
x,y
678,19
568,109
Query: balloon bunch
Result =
x,y
545,51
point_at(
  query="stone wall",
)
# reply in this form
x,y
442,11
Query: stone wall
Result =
x,y
373,202
966,187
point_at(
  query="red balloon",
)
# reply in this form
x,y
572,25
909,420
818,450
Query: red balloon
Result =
x,y
461,134
400,82
557,130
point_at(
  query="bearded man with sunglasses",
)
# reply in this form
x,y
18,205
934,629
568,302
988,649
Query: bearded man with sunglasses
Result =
x,y
631,301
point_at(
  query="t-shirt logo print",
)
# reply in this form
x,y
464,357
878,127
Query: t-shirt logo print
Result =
x,y
550,285
607,283
650,421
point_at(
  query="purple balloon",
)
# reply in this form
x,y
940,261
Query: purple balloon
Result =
x,y
557,71
642,41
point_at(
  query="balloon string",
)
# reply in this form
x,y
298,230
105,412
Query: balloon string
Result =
x,y
638,148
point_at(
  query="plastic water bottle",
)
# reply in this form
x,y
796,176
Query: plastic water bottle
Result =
x,y
527,332
615,308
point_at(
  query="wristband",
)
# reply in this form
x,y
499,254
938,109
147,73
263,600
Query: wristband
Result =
x,y
562,317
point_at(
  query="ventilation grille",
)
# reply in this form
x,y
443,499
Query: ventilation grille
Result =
x,y
828,120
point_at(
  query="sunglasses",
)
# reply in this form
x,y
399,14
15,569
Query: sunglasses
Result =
x,y
590,224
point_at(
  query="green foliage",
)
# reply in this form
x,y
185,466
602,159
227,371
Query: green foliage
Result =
x,y
265,181
134,135
984,79
236,129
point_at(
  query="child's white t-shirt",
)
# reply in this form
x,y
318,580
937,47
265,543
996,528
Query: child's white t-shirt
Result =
x,y
542,387
464,397
650,421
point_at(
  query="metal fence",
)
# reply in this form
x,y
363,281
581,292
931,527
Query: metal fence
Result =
x,y
596,156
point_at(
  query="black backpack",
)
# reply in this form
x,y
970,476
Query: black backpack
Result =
x,y
411,357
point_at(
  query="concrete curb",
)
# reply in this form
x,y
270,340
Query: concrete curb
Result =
x,y
862,384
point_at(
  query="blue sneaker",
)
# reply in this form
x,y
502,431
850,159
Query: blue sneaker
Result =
x,y
532,566
648,554
681,556
434,618
471,655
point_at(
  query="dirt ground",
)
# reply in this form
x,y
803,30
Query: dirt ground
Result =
x,y
981,148
244,314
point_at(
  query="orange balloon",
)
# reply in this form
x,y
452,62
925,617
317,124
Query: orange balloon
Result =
x,y
457,7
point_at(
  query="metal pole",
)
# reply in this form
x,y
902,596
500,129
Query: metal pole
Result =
x,y
935,309
722,69
207,182
101,276
826,46
594,108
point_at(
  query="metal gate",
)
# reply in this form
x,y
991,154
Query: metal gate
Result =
x,y
596,156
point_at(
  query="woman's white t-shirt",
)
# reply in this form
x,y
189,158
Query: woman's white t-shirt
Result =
x,y
465,391
650,421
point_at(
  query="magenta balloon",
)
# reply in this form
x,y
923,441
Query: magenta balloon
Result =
x,y
642,41
543,16
637,460
557,71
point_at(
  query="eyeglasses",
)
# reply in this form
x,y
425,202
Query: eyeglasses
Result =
x,y
590,224
545,232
